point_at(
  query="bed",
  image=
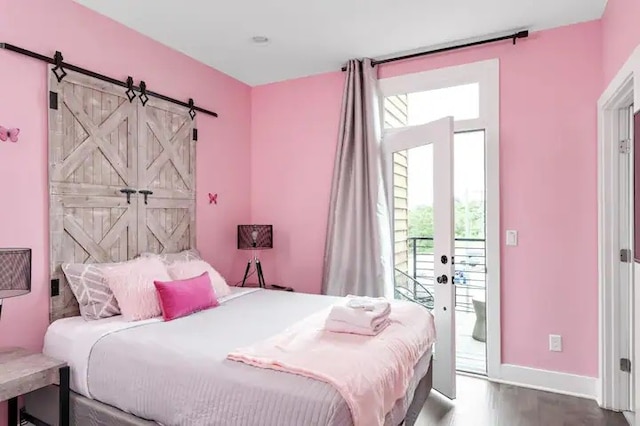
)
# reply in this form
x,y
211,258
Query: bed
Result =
x,y
177,372
150,372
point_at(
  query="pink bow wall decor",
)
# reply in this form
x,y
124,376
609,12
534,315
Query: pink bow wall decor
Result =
x,y
9,134
213,198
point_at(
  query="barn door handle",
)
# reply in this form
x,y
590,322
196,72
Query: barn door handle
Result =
x,y
146,194
128,191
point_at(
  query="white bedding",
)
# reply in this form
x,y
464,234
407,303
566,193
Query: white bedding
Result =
x,y
71,339
176,372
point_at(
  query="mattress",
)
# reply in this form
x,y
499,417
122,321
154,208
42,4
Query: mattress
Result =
x,y
176,373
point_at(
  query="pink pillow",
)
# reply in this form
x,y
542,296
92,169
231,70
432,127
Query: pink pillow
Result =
x,y
192,268
183,297
132,285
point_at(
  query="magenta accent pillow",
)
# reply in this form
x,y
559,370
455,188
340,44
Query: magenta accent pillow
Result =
x,y
183,297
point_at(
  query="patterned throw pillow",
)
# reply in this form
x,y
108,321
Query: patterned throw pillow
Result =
x,y
168,258
95,298
189,269
133,285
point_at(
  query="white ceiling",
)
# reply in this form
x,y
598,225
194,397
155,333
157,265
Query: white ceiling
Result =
x,y
314,36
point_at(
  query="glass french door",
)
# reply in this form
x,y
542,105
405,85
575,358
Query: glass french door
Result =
x,y
424,154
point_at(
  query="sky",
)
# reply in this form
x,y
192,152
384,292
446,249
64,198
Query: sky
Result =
x,y
462,102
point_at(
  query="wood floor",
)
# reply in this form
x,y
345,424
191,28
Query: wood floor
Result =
x,y
481,403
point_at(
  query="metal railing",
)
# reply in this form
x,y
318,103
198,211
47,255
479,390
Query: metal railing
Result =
x,y
411,289
470,272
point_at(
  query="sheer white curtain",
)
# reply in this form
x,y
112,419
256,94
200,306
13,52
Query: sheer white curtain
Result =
x,y
358,248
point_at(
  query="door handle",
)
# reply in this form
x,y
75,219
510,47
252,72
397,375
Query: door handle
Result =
x,y
128,191
146,194
442,279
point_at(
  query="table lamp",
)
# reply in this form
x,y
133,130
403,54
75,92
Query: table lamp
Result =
x,y
15,273
255,237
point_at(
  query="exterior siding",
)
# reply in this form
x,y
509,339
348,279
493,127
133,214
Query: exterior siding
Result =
x,y
396,111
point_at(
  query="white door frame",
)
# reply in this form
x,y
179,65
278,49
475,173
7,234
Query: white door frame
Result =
x,y
623,89
487,74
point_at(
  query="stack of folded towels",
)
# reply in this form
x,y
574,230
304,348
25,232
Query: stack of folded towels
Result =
x,y
359,315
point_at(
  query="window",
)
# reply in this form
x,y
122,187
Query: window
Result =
x,y
461,102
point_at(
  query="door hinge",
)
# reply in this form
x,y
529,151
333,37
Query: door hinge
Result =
x,y
53,100
625,146
195,135
625,255
625,365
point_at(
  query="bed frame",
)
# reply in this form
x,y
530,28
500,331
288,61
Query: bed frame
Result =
x,y
43,405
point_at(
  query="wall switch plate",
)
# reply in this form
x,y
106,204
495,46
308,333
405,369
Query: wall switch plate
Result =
x,y
512,238
555,343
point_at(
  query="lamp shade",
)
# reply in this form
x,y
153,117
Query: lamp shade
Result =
x,y
15,272
252,237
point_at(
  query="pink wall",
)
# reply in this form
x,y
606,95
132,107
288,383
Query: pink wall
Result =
x,y
294,126
95,42
549,86
620,34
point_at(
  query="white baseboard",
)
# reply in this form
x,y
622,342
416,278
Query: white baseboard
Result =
x,y
550,381
629,416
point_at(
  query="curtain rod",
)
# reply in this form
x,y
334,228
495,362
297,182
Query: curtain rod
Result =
x,y
514,37
128,84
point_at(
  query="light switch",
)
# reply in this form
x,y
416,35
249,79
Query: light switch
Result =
x,y
512,238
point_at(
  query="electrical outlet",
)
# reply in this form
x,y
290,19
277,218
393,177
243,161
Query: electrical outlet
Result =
x,y
555,343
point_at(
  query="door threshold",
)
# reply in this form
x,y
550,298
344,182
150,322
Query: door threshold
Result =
x,y
470,374
630,417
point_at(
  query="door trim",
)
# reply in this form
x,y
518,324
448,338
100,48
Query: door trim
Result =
x,y
487,73
624,85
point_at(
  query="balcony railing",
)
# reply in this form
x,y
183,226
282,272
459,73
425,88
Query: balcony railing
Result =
x,y
417,283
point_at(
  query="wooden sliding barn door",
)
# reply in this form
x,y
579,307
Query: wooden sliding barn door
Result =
x,y
166,167
101,146
93,156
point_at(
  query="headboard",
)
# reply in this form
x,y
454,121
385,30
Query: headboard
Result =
x,y
121,179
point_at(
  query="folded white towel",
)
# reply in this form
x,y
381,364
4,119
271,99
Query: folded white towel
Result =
x,y
336,326
380,309
358,303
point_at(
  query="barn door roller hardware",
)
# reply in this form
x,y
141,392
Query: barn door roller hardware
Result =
x,y
60,71
143,93
131,94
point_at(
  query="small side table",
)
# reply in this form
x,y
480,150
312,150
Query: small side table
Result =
x,y
22,371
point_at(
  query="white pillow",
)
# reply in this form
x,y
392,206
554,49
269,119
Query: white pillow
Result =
x,y
184,270
132,283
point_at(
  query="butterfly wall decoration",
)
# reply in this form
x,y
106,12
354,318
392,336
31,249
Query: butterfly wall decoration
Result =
x,y
213,198
9,134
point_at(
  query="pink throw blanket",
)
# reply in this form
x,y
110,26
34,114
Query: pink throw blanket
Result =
x,y
370,373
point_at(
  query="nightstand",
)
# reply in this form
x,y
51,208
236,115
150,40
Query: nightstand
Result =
x,y
22,371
